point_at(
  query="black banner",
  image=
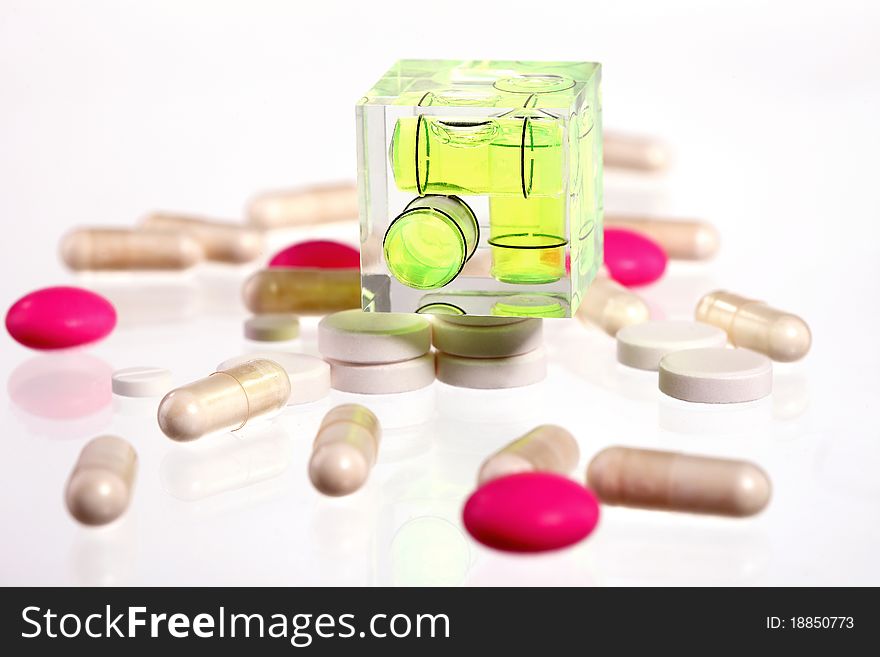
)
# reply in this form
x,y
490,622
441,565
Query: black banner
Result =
x,y
431,621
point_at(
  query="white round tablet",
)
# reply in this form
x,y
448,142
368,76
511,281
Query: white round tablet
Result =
x,y
716,375
488,373
383,378
487,341
355,336
272,327
141,382
309,375
643,345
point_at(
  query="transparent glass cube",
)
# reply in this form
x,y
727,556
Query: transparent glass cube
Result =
x,y
480,186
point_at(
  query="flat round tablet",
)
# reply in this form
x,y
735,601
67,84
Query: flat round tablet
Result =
x,y
355,336
309,375
492,373
643,345
272,327
141,382
715,375
487,341
383,378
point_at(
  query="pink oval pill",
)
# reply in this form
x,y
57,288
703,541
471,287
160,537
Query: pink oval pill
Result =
x,y
60,317
319,254
633,259
530,512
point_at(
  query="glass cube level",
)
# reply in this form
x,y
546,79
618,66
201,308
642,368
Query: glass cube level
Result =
x,y
480,186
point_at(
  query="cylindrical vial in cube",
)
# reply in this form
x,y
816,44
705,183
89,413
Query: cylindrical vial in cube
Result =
x,y
527,236
427,244
519,154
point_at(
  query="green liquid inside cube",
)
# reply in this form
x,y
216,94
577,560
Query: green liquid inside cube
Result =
x,y
516,148
427,245
516,156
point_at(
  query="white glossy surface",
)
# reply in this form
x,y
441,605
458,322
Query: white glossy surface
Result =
x,y
112,110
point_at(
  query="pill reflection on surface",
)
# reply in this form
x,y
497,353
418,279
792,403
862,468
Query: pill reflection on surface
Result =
x,y
225,400
547,448
682,239
303,291
672,481
345,450
221,241
125,249
610,306
754,325
305,206
100,487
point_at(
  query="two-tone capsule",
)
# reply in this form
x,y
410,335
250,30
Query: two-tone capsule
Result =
x,y
100,487
681,239
634,152
304,207
302,291
754,325
611,306
547,448
671,481
221,241
126,249
344,450
225,400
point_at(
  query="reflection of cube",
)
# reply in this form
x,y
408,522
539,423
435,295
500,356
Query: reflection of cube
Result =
x,y
480,187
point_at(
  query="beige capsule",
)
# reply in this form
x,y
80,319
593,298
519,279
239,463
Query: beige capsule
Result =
x,y
754,325
345,450
682,239
672,481
302,291
221,241
225,400
126,249
100,487
305,206
547,448
634,152
611,306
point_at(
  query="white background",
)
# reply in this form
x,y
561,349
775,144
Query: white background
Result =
x,y
111,109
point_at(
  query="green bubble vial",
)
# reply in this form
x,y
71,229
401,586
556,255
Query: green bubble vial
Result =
x,y
427,245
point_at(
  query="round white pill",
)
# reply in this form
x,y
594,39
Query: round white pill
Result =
x,y
643,345
487,373
272,327
141,382
309,375
354,336
383,378
487,341
715,375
